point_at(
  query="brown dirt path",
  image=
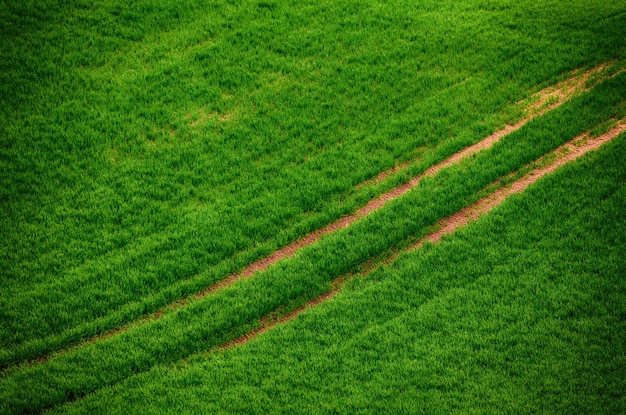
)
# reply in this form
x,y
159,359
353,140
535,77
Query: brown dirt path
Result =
x,y
562,155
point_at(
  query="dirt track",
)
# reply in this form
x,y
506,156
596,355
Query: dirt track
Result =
x,y
564,154
541,102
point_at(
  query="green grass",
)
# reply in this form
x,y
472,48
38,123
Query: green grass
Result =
x,y
520,312
232,312
150,149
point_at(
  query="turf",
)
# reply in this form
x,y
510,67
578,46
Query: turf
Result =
x,y
520,312
152,148
229,313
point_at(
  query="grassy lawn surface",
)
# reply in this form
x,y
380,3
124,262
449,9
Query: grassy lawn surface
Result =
x,y
150,149
229,313
520,312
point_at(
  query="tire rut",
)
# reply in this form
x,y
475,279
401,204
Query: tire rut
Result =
x,y
563,91
538,104
564,154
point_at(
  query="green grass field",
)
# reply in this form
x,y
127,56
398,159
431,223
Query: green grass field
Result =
x,y
522,312
151,149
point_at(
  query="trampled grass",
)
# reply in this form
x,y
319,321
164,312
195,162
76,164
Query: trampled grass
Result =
x,y
150,149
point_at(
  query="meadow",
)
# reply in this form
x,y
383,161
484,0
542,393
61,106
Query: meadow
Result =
x,y
521,312
150,150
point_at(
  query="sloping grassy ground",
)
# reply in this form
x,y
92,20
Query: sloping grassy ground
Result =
x,y
520,312
229,313
150,148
